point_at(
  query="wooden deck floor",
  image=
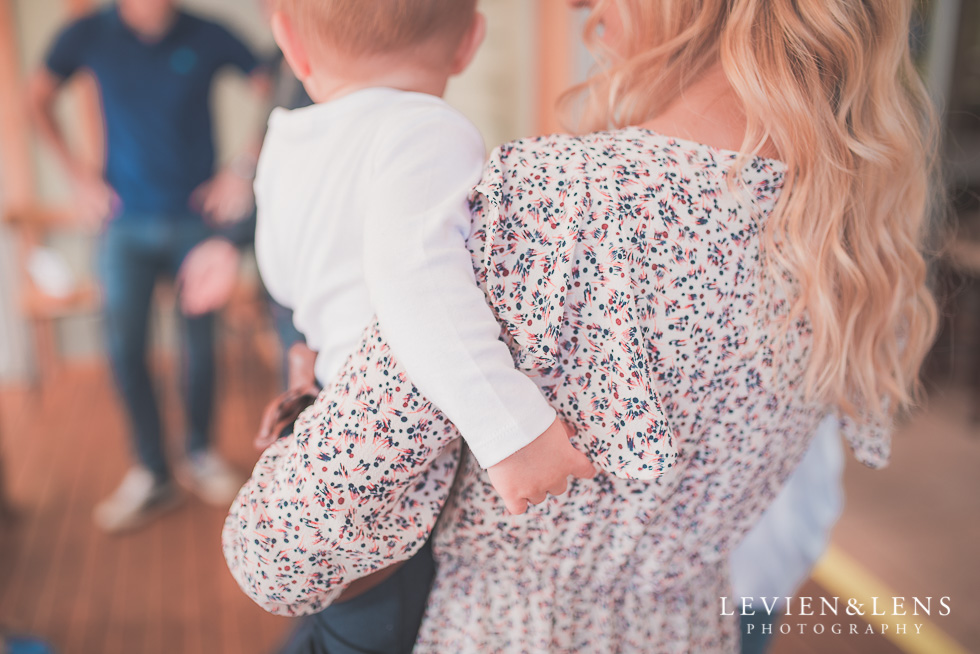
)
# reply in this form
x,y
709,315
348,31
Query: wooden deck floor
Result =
x,y
915,525
163,589
166,589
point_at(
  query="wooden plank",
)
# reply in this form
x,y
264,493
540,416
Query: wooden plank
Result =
x,y
156,613
924,506
89,620
173,592
231,419
554,65
246,394
803,639
41,515
119,634
14,412
13,417
79,446
15,145
846,578
164,589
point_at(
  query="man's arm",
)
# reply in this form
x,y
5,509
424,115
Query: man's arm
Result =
x,y
210,271
93,197
42,91
227,197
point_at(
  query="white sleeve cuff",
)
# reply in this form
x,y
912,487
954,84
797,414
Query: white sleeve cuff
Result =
x,y
526,424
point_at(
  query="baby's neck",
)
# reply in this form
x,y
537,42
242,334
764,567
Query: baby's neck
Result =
x,y
327,85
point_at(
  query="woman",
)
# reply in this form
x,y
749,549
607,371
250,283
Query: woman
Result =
x,y
741,249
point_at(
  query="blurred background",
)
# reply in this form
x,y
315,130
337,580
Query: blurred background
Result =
x,y
911,530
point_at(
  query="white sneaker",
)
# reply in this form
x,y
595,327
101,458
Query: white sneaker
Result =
x,y
138,499
211,478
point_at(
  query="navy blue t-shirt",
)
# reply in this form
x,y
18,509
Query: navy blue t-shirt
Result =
x,y
156,98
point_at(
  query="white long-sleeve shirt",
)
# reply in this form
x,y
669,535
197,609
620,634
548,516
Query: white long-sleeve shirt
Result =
x,y
363,211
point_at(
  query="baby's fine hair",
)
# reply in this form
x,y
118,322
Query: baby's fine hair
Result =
x,y
368,27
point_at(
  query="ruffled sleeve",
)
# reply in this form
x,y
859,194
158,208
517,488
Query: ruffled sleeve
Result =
x,y
357,487
553,254
870,438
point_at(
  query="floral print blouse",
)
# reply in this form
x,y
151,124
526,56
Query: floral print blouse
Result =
x,y
626,272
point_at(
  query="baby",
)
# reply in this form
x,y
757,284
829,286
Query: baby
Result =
x,y
362,211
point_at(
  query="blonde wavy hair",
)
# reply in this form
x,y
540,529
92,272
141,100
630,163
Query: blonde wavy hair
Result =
x,y
832,86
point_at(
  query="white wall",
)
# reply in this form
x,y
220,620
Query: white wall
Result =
x,y
497,91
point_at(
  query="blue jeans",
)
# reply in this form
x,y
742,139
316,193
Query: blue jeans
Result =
x,y
135,252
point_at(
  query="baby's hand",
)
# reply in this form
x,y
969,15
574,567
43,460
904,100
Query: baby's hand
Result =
x,y
542,467
282,413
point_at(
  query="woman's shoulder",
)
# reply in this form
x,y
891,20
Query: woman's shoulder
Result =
x,y
608,160
551,150
546,165
623,146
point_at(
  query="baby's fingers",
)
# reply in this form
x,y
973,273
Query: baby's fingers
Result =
x,y
559,487
515,505
537,498
582,467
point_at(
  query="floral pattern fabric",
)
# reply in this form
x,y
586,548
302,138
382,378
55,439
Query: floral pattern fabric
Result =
x,y
625,269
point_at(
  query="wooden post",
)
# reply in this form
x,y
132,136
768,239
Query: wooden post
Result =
x,y
17,180
944,28
15,142
19,183
555,62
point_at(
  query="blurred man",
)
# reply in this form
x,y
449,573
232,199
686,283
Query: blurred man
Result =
x,y
155,66
210,271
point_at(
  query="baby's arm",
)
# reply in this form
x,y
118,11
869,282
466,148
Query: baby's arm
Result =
x,y
437,320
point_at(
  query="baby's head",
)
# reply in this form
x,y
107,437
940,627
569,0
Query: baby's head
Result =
x,y
360,39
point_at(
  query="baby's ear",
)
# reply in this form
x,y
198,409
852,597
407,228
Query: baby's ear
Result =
x,y
291,45
471,42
